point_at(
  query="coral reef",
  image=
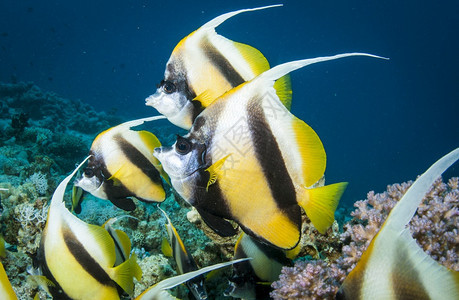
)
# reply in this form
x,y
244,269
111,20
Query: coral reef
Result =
x,y
435,228
42,136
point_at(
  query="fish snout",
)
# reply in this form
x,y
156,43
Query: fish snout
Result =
x,y
152,100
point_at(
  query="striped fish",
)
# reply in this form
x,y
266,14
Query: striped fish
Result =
x,y
185,262
252,279
121,166
79,258
394,266
248,159
203,66
159,290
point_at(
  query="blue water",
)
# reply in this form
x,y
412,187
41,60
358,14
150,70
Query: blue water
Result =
x,y
381,121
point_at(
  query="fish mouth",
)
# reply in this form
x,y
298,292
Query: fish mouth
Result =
x,y
159,154
152,100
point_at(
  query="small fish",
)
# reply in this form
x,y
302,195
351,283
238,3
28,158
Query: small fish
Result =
x,y
6,290
121,239
203,66
252,279
79,258
158,291
248,159
394,266
122,166
185,262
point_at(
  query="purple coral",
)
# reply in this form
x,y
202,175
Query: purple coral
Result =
x,y
434,226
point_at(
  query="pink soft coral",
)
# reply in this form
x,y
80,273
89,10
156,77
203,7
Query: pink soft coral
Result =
x,y
435,227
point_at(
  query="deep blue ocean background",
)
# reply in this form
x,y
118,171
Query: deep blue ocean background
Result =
x,y
381,121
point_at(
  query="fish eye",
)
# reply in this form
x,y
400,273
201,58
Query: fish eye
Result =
x,y
88,172
182,146
168,87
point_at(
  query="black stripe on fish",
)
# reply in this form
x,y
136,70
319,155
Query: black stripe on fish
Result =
x,y
406,285
117,194
221,63
138,159
270,159
87,262
186,262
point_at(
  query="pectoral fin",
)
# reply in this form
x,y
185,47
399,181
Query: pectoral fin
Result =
x,y
213,170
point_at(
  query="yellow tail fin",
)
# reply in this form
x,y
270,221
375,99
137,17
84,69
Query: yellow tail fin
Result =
x,y
124,273
320,204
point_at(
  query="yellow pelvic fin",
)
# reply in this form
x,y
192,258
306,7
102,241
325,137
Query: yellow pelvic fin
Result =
x,y
124,273
213,170
257,62
166,248
206,97
283,87
320,204
311,150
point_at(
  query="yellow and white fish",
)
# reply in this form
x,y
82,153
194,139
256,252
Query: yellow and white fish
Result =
x,y
203,66
6,290
185,262
394,266
121,239
248,159
252,279
121,166
159,290
79,258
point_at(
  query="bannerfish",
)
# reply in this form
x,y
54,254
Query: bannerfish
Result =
x,y
203,66
121,166
185,262
120,238
248,159
252,279
159,290
6,290
79,258
394,266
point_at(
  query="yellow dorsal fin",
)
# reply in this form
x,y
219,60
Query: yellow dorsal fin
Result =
x,y
320,204
213,168
166,248
283,87
206,97
311,150
124,273
257,62
104,241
